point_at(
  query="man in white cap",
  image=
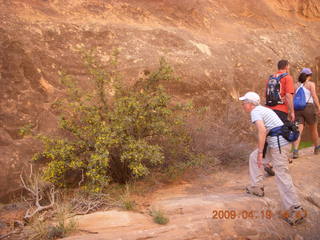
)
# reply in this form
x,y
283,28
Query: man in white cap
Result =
x,y
265,119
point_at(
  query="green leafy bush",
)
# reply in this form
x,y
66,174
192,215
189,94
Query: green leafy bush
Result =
x,y
116,133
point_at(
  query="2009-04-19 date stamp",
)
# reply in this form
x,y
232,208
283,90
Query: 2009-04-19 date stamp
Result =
x,y
242,214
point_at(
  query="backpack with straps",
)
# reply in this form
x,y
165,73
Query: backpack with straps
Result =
x,y
299,100
273,90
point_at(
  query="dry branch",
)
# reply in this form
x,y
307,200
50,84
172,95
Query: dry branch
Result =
x,y
37,195
83,205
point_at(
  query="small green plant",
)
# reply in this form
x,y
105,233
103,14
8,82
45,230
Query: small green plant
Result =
x,y
126,202
26,129
116,133
159,217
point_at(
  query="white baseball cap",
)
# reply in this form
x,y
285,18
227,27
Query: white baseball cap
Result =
x,y
251,97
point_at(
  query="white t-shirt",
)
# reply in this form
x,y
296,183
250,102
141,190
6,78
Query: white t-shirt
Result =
x,y
270,120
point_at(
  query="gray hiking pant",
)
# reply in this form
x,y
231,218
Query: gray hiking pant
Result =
x,y
280,164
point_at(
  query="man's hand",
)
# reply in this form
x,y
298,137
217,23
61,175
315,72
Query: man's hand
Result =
x,y
291,117
289,101
259,159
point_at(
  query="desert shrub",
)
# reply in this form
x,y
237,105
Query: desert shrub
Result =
x,y
115,132
159,216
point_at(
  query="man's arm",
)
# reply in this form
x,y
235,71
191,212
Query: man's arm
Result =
x,y
289,91
262,134
289,101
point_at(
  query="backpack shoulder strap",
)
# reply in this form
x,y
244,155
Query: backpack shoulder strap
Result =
x,y
271,77
282,75
309,96
300,86
279,77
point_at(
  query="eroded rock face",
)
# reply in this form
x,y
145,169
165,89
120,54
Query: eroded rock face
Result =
x,y
308,9
219,48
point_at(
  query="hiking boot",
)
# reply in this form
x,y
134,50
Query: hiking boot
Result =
x,y
269,170
295,154
295,215
255,190
317,150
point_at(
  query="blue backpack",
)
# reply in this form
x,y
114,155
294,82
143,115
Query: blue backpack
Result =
x,y
288,131
299,100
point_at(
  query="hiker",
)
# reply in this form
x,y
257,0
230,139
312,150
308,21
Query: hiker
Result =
x,y
279,92
310,111
265,119
279,97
